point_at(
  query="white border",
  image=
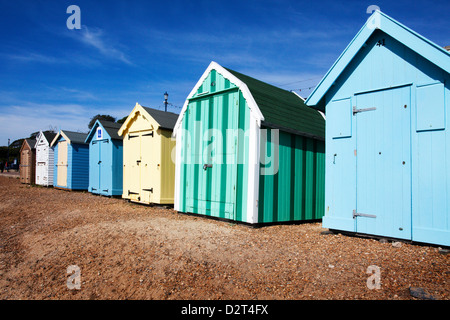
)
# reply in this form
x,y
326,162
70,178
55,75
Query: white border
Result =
x,y
178,142
253,170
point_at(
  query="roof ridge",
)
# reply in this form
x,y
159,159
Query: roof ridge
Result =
x,y
236,73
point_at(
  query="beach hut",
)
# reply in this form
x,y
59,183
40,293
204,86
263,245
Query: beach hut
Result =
x,y
148,168
105,159
387,135
248,151
44,158
71,160
27,166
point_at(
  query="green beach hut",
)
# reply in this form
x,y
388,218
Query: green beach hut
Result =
x,y
248,151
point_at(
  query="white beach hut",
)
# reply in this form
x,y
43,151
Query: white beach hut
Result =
x,y
44,158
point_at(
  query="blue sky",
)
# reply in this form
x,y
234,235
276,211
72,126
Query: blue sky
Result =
x,y
134,51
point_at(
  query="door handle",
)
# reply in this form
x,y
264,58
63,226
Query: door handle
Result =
x,y
206,166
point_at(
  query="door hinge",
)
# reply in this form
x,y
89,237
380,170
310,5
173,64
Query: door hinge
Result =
x,y
151,190
355,214
355,110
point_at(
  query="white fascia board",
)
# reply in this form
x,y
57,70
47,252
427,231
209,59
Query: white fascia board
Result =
x,y
55,138
298,96
178,143
60,134
253,170
227,75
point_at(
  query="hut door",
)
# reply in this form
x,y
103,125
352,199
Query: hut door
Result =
x,y
105,166
134,168
143,166
62,164
214,156
41,175
148,166
99,166
383,166
25,167
95,162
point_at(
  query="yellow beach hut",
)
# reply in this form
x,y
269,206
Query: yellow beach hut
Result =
x,y
148,168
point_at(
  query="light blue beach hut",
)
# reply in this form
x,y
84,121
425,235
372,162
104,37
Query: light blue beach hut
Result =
x,y
71,161
387,135
105,159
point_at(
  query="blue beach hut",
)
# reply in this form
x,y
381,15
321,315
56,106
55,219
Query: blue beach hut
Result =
x,y
71,161
105,159
387,135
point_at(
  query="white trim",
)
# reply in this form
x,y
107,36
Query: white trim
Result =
x,y
227,75
253,169
298,96
178,142
55,139
321,113
60,133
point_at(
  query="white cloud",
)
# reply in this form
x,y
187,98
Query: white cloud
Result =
x,y
94,37
32,57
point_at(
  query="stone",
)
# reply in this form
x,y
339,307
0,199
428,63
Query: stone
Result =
x,y
396,244
420,293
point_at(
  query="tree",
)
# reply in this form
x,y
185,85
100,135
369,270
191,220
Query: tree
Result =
x,y
122,120
100,117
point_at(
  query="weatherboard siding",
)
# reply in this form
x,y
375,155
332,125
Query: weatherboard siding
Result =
x,y
55,167
78,166
296,191
117,168
167,166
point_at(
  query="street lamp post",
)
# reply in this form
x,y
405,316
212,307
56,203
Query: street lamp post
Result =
x,y
166,96
7,155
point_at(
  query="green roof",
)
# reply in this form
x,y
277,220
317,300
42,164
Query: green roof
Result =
x,y
283,109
